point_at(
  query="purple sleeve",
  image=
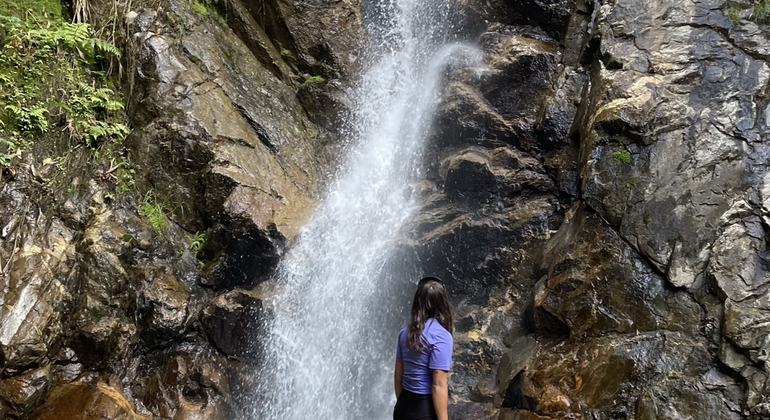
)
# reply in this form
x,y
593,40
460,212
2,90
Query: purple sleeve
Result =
x,y
399,356
441,356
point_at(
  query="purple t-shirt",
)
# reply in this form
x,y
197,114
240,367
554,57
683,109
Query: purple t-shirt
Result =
x,y
418,365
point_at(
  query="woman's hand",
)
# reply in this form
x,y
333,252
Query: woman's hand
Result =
x,y
398,378
440,393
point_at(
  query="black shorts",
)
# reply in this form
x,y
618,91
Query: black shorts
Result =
x,y
411,406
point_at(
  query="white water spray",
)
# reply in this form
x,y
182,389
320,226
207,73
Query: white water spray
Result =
x,y
329,351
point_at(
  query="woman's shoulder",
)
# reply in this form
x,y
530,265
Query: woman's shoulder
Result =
x,y
438,331
402,332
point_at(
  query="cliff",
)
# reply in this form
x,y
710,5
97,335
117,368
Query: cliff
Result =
x,y
594,198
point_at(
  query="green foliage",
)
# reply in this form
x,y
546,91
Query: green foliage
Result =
x,y
199,8
197,241
761,11
30,119
155,212
31,8
8,150
312,80
126,180
622,156
51,82
203,7
287,53
93,115
734,14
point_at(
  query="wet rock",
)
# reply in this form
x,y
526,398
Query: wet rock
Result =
x,y
190,386
162,306
23,393
582,273
247,166
232,320
103,339
84,401
33,295
679,397
511,365
487,105
600,375
316,32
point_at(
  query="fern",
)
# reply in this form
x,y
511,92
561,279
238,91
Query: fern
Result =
x,y
5,158
104,46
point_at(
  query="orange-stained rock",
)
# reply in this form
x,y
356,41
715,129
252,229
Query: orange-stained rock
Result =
x,y
79,401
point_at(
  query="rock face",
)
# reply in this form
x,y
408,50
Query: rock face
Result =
x,y
633,134
596,199
107,311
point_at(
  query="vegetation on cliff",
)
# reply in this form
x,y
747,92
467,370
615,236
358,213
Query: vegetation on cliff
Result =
x,y
57,92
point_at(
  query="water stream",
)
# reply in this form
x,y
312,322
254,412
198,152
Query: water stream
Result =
x,y
329,350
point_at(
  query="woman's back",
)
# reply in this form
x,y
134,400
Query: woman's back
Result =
x,y
419,364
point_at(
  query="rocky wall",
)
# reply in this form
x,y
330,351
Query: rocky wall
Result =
x,y
107,312
598,208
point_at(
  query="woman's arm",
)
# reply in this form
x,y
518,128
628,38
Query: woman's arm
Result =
x,y
398,378
440,393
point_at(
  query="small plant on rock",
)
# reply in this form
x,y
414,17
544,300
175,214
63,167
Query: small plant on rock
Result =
x,y
312,80
622,156
155,212
761,11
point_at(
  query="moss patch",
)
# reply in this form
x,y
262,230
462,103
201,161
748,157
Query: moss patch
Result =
x,y
623,156
312,80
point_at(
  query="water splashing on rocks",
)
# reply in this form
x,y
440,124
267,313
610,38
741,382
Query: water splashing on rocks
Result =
x,y
329,350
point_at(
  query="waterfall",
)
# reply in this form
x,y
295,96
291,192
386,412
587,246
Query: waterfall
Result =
x,y
329,351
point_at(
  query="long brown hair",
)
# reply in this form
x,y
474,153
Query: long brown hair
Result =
x,y
430,301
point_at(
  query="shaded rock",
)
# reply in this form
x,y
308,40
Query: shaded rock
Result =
x,y
679,397
162,306
316,32
509,370
597,284
85,401
501,102
598,376
190,386
23,393
103,338
551,15
232,320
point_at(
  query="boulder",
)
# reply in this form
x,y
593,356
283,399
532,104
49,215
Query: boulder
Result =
x,y
191,385
23,393
678,397
86,401
162,306
597,284
233,320
34,296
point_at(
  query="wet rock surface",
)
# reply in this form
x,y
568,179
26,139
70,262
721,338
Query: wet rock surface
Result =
x,y
108,313
626,136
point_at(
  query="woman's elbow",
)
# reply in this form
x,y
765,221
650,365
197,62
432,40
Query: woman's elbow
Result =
x,y
440,381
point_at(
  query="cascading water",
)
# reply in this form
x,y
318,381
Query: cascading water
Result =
x,y
328,353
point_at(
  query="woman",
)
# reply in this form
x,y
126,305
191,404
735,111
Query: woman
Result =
x,y
424,355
